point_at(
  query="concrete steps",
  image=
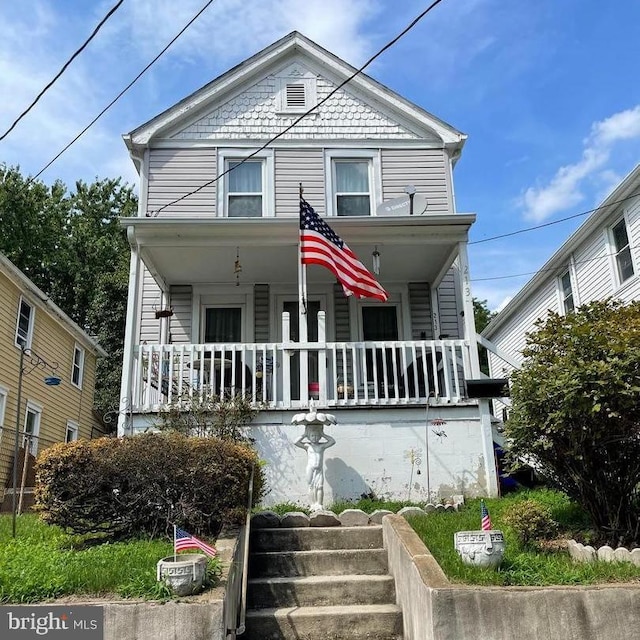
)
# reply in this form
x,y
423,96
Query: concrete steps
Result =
x,y
316,583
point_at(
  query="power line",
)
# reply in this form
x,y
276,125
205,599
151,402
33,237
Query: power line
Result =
x,y
549,224
206,6
304,115
63,69
550,270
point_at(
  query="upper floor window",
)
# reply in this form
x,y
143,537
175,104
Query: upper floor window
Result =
x,y
24,328
566,292
624,263
353,178
73,428
77,369
247,187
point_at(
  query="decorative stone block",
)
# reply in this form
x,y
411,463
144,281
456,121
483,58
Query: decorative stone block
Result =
x,y
574,550
294,519
621,555
265,520
605,554
354,518
439,507
449,508
324,518
589,553
429,508
634,556
378,514
411,511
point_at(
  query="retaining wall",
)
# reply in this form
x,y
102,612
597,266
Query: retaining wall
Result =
x,y
435,609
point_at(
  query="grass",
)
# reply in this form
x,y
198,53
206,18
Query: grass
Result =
x,y
368,505
43,562
522,565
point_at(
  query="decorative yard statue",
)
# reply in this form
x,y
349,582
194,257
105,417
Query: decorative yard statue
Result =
x,y
315,441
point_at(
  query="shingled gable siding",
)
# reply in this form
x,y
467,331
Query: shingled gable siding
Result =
x,y
177,172
180,323
420,308
295,166
425,169
450,324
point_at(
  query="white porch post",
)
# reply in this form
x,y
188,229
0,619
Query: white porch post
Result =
x,y
128,360
486,433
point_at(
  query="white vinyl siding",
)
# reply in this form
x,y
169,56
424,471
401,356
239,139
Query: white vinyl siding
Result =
x,y
292,168
174,173
448,307
261,312
420,308
151,300
24,325
180,322
426,169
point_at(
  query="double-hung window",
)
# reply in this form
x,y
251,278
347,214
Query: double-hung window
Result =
x,y
24,328
622,251
353,182
566,292
246,189
32,428
73,429
77,369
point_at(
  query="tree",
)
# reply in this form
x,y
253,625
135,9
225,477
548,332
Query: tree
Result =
x,y
576,412
482,317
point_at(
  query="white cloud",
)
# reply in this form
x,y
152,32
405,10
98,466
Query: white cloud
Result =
x,y
564,190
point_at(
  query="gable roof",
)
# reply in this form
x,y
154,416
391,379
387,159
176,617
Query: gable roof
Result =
x,y
272,56
598,218
42,299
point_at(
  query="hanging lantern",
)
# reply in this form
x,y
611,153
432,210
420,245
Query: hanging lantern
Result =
x,y
237,268
376,260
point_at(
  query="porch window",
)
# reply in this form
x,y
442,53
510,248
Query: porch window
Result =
x,y
352,187
624,262
223,325
566,293
32,428
24,329
245,189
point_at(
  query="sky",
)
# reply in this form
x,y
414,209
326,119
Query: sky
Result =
x,y
547,92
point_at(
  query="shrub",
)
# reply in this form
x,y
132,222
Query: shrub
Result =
x,y
576,412
530,521
141,485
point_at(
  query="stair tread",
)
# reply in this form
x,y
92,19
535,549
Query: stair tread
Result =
x,y
352,577
317,551
344,609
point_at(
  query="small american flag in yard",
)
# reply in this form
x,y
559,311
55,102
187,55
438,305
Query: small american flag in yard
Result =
x,y
486,519
184,541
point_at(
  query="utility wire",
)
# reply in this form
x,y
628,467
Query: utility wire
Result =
x,y
46,166
549,224
64,68
550,270
304,115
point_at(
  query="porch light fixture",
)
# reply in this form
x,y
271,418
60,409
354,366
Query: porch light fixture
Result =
x,y
33,362
237,267
376,260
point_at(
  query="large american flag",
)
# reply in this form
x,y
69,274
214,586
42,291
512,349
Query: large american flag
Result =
x,y
320,244
184,541
486,519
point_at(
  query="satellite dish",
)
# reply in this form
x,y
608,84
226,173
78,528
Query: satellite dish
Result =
x,y
402,206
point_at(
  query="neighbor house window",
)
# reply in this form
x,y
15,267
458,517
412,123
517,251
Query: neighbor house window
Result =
x,y
24,329
624,263
73,428
566,292
32,428
3,404
77,370
246,189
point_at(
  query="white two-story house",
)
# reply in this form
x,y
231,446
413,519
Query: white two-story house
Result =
x,y
214,286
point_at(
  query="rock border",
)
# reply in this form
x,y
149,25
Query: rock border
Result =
x,y
586,553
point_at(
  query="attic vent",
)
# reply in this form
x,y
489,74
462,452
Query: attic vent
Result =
x,y
295,96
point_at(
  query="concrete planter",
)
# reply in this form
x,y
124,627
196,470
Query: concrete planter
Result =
x,y
184,573
480,548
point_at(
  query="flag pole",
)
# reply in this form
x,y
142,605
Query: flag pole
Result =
x,y
302,317
175,553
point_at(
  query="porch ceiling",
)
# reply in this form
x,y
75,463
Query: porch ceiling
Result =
x,y
203,251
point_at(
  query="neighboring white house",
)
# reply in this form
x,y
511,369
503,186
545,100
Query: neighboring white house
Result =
x,y
213,294
600,260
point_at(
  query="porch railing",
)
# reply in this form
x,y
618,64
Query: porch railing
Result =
x,y
287,374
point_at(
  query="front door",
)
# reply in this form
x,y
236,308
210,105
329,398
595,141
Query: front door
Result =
x,y
380,324
313,306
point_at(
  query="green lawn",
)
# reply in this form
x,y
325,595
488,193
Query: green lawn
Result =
x,y
43,562
521,566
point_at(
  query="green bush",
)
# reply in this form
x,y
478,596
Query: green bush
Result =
x,y
530,521
141,485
